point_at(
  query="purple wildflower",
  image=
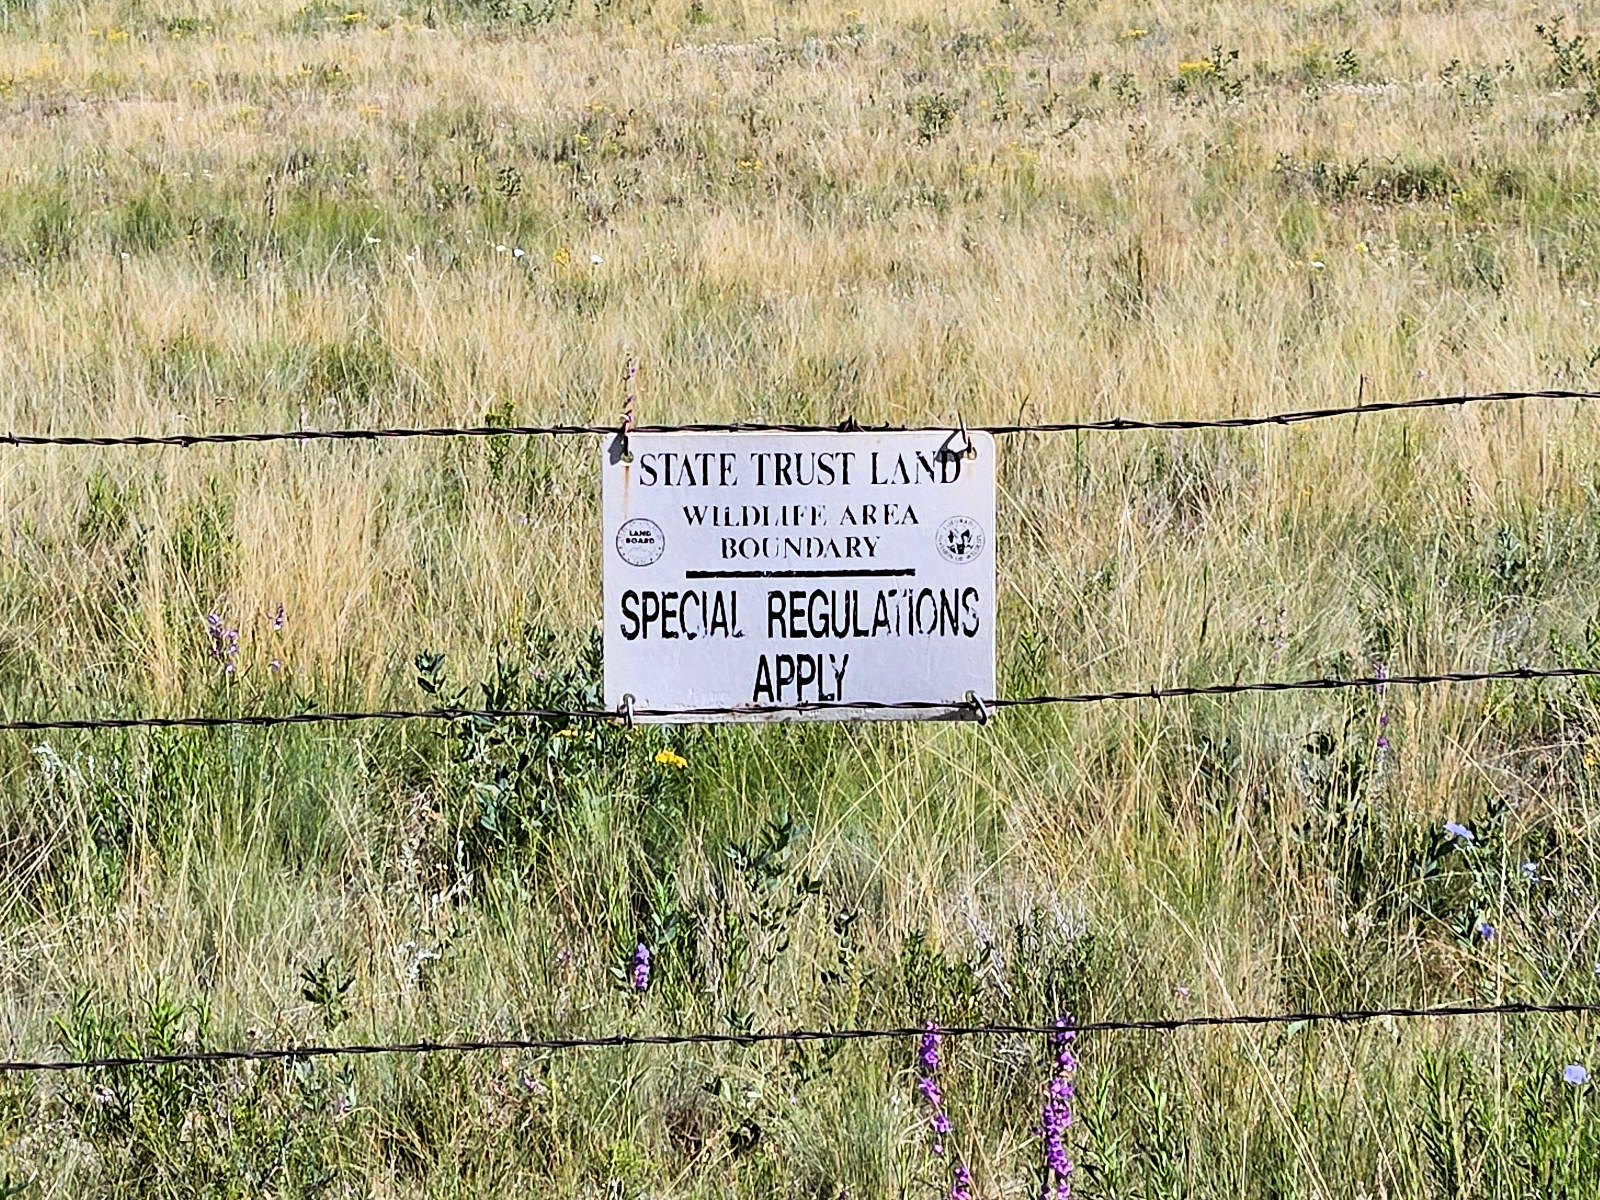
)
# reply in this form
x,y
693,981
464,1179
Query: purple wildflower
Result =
x,y
1486,931
1575,1073
641,968
224,641
1457,830
927,1064
939,1120
1056,1115
278,619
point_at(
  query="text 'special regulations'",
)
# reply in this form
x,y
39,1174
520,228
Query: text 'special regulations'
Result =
x,y
750,571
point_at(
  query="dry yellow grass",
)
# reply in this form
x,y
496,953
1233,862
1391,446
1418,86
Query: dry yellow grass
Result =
x,y
263,216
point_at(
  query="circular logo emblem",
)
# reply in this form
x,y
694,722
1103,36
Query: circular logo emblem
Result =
x,y
640,542
960,540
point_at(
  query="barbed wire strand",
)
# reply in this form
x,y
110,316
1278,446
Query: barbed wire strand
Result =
x,y
451,713
186,440
1151,1024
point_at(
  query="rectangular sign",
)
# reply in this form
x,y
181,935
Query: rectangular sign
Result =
x,y
753,570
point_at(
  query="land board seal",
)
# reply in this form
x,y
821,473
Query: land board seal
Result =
x,y
640,542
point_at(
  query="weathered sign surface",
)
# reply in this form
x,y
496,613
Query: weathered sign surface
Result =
x,y
745,571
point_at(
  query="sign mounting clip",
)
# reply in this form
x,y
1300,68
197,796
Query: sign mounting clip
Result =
x,y
966,450
627,413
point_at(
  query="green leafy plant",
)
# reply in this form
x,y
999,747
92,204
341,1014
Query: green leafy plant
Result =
x,y
327,988
935,113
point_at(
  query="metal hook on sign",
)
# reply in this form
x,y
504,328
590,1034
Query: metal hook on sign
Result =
x,y
968,450
627,710
627,414
975,701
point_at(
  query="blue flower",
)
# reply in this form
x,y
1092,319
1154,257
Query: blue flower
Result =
x,y
1531,870
1575,1074
1485,931
1459,831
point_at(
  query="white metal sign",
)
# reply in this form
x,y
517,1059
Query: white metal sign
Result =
x,y
745,571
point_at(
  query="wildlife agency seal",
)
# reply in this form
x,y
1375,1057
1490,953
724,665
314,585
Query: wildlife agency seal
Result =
x,y
959,539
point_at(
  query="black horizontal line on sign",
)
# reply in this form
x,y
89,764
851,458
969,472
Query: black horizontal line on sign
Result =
x,y
849,573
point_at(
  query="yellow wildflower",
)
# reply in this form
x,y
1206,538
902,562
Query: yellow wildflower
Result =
x,y
569,733
1135,35
353,18
370,110
1197,66
561,257
670,758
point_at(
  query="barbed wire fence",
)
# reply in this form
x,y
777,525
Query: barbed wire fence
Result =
x,y
981,708
976,706
850,425
292,1053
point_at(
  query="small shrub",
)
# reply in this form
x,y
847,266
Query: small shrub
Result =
x,y
1213,74
935,113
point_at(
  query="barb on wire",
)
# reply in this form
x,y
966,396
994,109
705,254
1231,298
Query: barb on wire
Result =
x,y
582,714
850,425
1149,1025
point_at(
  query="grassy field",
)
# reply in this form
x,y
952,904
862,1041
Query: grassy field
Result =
x,y
218,217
